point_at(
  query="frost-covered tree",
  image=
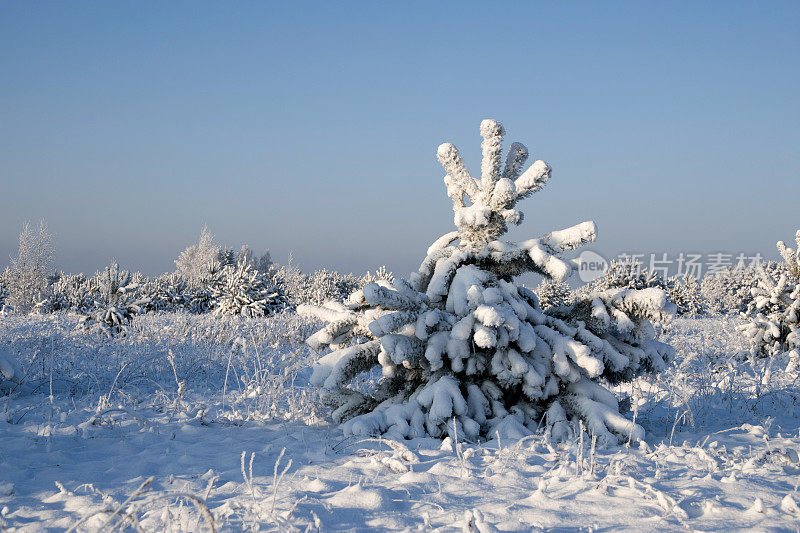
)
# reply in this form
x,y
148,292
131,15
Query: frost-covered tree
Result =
x,y
316,287
168,292
115,303
28,275
728,290
553,293
3,290
225,257
262,263
774,313
463,350
684,292
115,286
627,274
241,290
72,292
246,255
195,263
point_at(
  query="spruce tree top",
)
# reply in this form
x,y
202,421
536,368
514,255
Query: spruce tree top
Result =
x,y
485,207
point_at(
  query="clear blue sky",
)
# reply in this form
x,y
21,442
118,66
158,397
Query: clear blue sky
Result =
x,y
313,127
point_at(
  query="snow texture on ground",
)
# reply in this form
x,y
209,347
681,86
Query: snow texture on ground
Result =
x,y
103,434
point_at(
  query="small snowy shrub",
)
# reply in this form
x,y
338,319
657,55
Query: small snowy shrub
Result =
x,y
684,292
774,326
72,292
115,302
241,290
627,274
465,351
168,292
553,293
114,287
314,288
730,290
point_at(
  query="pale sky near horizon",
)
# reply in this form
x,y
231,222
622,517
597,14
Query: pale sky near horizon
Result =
x,y
312,127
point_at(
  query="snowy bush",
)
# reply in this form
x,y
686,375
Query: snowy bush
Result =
x,y
728,290
627,274
684,292
72,292
113,286
553,293
466,352
314,288
241,290
630,274
115,301
774,326
168,292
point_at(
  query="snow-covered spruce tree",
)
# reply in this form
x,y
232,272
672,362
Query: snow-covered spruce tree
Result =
x,y
553,293
226,256
774,313
241,290
169,292
684,292
464,350
73,292
115,302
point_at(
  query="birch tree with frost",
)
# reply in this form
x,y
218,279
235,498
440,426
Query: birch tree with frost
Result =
x,y
28,276
196,262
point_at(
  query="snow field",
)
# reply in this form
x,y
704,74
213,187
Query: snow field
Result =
x,y
121,443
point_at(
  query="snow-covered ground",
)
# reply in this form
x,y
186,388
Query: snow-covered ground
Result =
x,y
193,422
